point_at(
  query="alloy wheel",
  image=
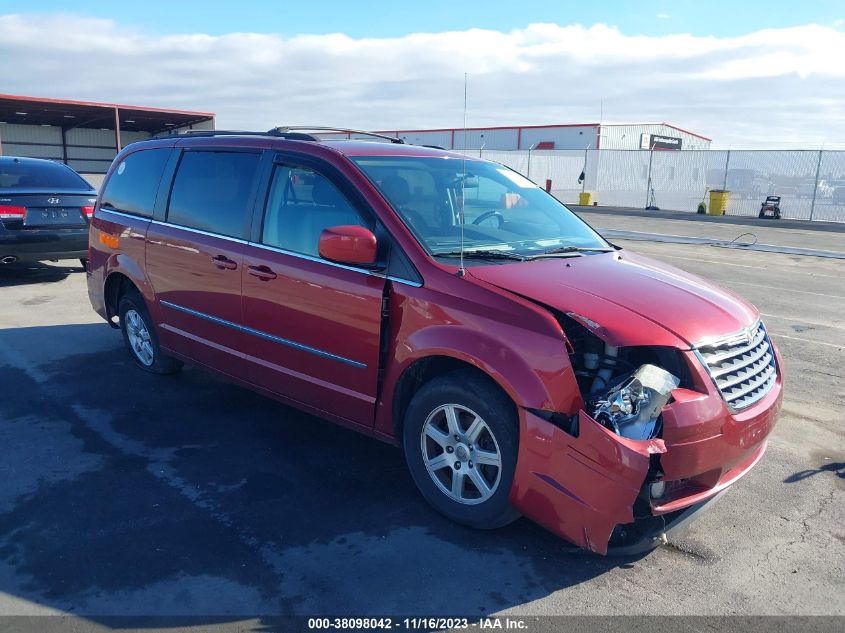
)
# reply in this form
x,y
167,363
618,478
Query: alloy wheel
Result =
x,y
139,338
461,454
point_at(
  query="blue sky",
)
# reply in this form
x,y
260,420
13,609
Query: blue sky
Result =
x,y
390,18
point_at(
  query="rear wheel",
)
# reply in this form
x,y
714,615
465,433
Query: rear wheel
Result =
x,y
461,439
84,262
140,338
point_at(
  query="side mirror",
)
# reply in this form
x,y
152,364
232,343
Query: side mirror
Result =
x,y
348,245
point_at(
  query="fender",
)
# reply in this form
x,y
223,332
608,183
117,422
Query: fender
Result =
x,y
121,264
129,261
118,245
535,374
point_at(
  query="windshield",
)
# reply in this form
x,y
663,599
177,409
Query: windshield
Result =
x,y
503,211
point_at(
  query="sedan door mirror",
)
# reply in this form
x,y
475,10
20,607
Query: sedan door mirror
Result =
x,y
348,244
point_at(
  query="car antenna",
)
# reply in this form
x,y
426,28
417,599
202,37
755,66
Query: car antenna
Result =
x,y
462,271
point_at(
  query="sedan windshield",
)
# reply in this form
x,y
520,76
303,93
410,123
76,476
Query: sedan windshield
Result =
x,y
502,211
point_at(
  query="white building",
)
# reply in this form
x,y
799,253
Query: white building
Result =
x,y
566,136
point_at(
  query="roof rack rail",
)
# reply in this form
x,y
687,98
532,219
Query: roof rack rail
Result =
x,y
292,136
285,129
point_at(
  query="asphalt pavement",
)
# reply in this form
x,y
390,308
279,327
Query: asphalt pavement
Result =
x,y
125,493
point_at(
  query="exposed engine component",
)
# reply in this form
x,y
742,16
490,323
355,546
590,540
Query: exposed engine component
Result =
x,y
604,374
631,408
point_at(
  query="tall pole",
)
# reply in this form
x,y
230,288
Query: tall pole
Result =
x,y
816,186
648,183
727,162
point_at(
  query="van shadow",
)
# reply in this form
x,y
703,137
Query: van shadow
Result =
x,y
25,273
132,494
835,468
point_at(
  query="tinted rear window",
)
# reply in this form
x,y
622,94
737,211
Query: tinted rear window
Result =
x,y
212,190
39,175
133,185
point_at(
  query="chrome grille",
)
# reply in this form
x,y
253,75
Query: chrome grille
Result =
x,y
742,366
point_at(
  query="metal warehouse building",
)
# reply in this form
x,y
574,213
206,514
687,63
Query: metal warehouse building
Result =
x,y
568,136
86,135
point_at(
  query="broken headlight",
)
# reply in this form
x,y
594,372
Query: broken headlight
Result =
x,y
632,406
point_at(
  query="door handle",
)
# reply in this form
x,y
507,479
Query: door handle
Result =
x,y
222,262
262,272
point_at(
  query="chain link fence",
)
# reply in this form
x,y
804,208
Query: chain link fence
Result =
x,y
810,183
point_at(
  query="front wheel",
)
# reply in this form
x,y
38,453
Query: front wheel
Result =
x,y
461,439
140,337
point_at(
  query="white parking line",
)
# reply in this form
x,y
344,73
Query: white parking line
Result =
x,y
714,261
807,340
785,290
800,320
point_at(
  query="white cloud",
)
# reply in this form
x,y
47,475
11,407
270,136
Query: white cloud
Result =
x,y
663,16
838,22
767,88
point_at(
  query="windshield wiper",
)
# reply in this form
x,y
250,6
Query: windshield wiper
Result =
x,y
483,254
564,251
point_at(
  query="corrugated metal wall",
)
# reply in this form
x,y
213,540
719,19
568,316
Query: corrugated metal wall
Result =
x,y
564,137
629,136
89,151
441,138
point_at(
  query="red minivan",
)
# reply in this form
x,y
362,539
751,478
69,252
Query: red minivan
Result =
x,y
525,365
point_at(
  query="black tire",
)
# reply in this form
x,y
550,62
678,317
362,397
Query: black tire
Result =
x,y
132,304
762,214
84,263
469,391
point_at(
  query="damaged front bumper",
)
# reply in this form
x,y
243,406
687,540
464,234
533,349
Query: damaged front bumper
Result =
x,y
592,487
647,533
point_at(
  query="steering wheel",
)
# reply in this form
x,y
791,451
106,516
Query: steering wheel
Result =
x,y
490,214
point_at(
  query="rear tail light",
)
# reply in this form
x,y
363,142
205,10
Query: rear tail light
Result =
x,y
88,212
8,212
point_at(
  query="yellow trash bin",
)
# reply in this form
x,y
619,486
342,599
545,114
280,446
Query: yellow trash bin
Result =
x,y
585,198
718,202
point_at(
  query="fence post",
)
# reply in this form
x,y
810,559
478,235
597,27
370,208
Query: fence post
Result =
x,y
528,174
815,186
727,162
584,182
648,182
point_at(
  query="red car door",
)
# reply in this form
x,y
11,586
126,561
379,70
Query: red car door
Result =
x,y
194,258
313,326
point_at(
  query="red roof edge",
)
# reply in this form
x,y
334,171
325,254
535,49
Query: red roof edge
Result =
x,y
99,104
680,129
489,127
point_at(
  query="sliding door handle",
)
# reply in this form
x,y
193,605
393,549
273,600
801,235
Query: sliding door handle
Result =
x,y
224,263
264,273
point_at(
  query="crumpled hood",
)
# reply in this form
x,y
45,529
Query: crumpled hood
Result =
x,y
627,299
